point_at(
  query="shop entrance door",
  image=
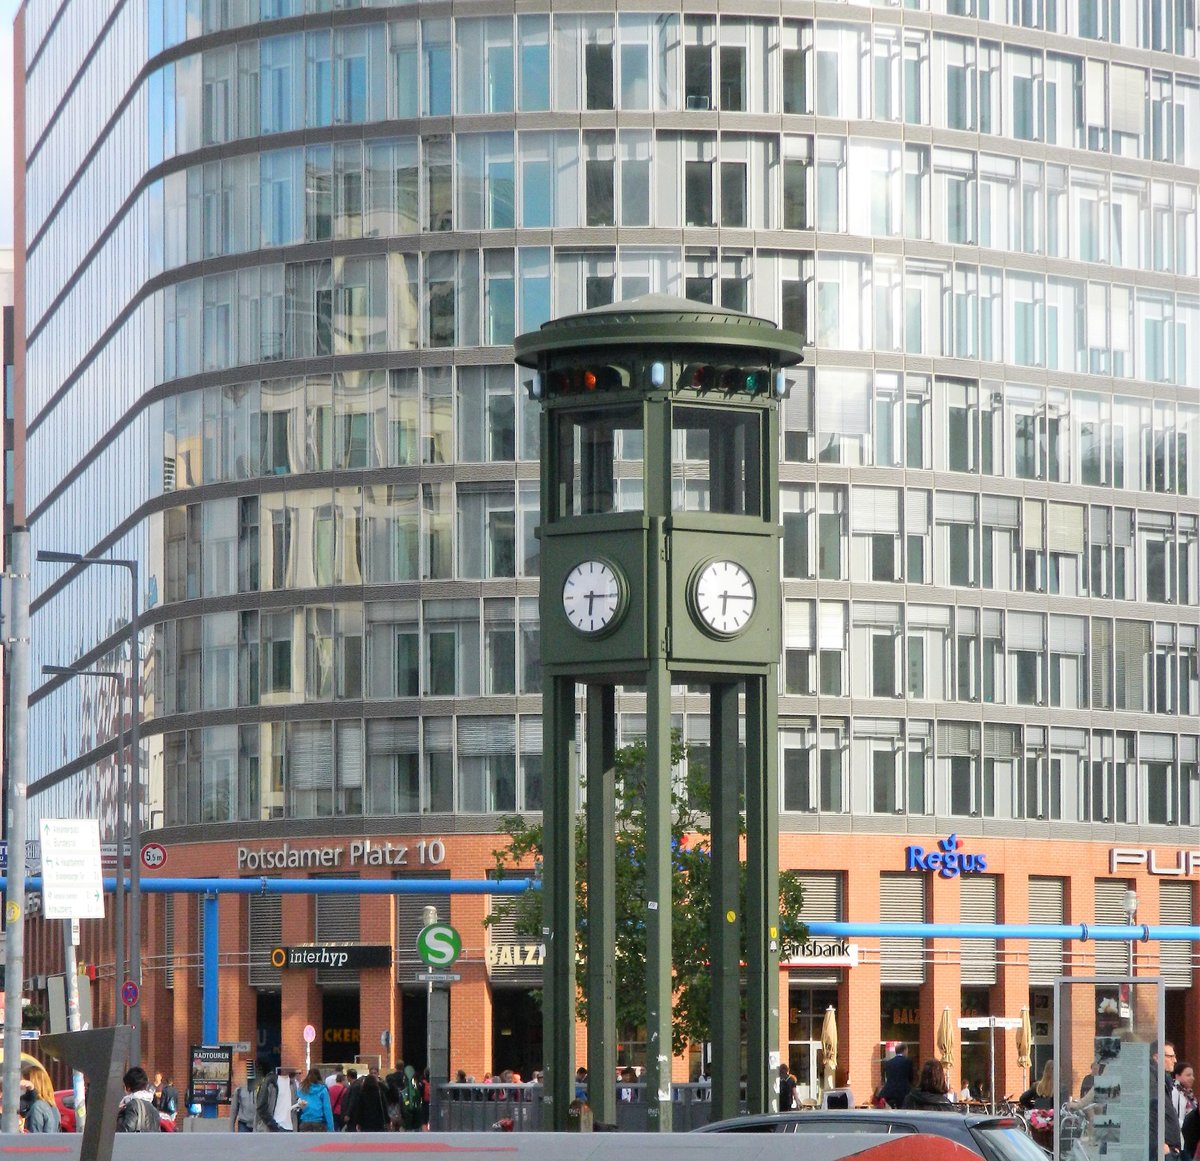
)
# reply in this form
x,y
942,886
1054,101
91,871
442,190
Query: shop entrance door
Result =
x,y
806,1013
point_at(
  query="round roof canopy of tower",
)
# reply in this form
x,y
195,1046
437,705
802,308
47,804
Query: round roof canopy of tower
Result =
x,y
658,320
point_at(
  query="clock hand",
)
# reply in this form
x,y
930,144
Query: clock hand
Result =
x,y
591,600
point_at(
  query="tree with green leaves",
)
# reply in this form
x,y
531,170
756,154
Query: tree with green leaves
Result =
x,y
691,892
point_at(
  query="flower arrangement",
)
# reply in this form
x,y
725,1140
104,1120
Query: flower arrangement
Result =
x,y
1108,1007
1042,1120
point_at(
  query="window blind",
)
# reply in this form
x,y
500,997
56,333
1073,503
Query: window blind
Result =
x,y
875,510
977,904
1001,741
954,507
916,509
266,932
350,755
1128,89
902,900
1064,528
169,941
1101,662
337,921
957,738
1001,511
1176,905
392,736
1045,906
310,755
1111,958
797,624
831,626
531,734
1025,631
1068,635
1031,524
482,736
822,897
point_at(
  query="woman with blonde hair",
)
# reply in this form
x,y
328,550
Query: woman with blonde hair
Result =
x,y
37,1100
1040,1095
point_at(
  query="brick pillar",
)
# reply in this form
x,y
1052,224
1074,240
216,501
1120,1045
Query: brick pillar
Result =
x,y
943,979
858,994
1011,991
301,998
378,1006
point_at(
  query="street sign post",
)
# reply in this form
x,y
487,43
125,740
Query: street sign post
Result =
x,y
991,1023
310,1034
438,977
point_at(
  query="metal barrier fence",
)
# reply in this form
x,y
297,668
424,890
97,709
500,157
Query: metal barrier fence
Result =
x,y
517,1108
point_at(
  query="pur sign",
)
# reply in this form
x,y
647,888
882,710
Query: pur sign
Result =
x,y
948,860
1187,863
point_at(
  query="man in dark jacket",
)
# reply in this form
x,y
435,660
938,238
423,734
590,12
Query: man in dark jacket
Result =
x,y
137,1113
1162,1090
898,1077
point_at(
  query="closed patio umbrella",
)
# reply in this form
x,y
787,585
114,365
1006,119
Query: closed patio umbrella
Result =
x,y
829,1048
945,1038
1024,1044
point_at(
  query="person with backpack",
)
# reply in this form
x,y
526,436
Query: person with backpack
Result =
x,y
410,1101
242,1111
136,1112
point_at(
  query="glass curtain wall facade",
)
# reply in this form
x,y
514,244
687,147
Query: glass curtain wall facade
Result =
x,y
277,254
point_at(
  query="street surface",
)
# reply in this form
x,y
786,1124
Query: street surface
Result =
x,y
494,1147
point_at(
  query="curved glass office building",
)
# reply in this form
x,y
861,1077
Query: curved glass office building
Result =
x,y
276,252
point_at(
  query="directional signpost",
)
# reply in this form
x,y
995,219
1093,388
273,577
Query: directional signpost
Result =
x,y
974,1023
71,884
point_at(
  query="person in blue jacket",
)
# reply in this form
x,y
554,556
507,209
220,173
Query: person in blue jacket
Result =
x,y
316,1112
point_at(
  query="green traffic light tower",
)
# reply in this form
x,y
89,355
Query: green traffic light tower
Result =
x,y
660,566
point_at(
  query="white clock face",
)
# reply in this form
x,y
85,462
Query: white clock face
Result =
x,y
724,597
592,596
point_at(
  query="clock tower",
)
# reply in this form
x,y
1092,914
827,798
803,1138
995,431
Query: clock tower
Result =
x,y
660,568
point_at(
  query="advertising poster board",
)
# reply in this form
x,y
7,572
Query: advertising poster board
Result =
x,y
211,1074
1104,1032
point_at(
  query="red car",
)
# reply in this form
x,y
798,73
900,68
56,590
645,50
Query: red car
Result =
x,y
64,1099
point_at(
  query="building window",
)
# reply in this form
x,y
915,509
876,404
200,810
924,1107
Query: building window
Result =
x,y
598,76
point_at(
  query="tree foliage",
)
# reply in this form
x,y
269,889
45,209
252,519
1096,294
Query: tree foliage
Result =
x,y
691,893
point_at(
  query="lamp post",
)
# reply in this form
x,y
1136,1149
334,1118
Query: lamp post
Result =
x,y
1131,905
120,955
135,797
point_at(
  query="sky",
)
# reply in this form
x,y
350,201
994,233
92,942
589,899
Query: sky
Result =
x,y
8,10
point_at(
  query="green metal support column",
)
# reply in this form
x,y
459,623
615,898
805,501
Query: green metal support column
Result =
x,y
601,904
658,899
762,891
558,885
726,922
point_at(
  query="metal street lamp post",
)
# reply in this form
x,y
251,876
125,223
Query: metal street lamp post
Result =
x,y
135,796
120,953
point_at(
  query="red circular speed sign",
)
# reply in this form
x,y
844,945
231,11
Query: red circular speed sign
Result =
x,y
154,855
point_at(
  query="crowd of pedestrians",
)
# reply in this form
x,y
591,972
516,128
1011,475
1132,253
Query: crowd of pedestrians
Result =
x,y
341,1102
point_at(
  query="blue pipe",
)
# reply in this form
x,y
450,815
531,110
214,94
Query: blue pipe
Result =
x,y
263,886
210,1023
1079,931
